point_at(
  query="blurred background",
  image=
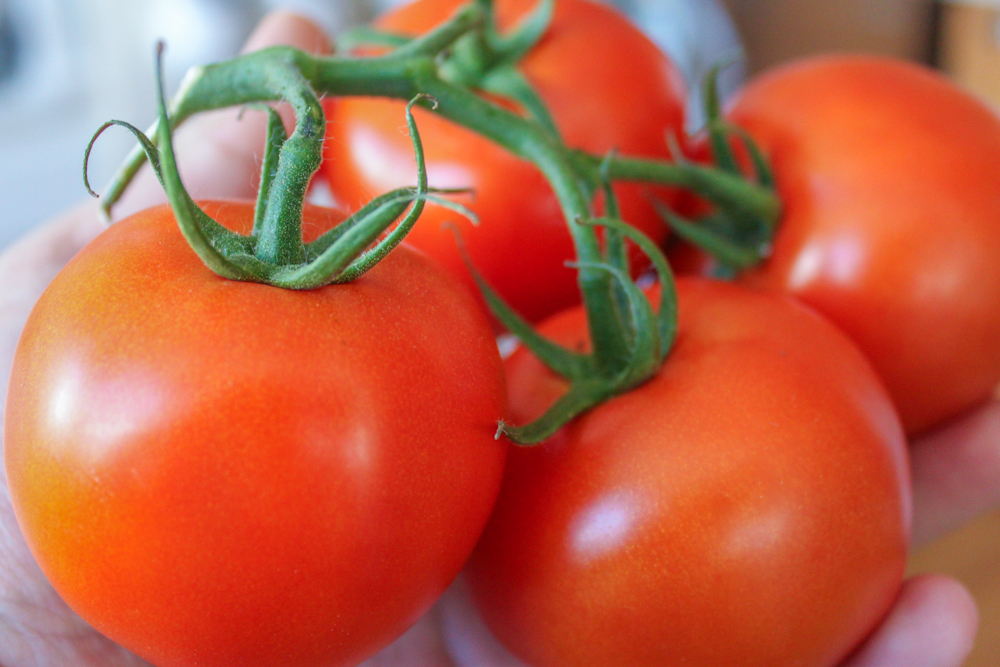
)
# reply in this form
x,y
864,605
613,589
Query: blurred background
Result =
x,y
68,65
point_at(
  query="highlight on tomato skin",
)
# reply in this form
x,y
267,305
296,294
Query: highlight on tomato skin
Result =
x,y
888,174
230,474
748,506
607,87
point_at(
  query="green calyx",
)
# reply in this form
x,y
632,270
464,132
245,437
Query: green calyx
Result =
x,y
274,253
624,354
738,234
446,70
481,58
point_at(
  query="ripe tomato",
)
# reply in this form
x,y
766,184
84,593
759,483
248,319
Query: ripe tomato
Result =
x,y
607,87
230,474
748,506
890,179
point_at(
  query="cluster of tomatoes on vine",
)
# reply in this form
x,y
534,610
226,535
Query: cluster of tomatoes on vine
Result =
x,y
295,433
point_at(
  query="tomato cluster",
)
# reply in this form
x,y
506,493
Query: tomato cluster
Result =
x,y
222,473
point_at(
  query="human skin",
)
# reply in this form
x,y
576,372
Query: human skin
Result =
x,y
956,469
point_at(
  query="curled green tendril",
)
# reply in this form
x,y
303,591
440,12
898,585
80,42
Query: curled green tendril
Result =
x,y
151,153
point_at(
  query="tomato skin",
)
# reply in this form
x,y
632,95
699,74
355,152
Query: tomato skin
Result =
x,y
748,506
230,474
890,179
607,87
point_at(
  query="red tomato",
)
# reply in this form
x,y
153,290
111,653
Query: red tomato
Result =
x,y
890,179
748,506
229,474
606,86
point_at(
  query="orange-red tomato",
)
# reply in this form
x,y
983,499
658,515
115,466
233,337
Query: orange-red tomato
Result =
x,y
607,87
748,506
229,474
890,180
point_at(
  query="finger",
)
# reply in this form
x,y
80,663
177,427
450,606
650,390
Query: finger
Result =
x,y
932,625
420,646
27,266
469,641
219,152
956,473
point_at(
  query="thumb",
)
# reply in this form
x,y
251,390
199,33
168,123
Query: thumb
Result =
x,y
219,152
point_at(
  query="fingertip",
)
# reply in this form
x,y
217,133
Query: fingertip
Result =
x,y
941,592
933,624
469,642
956,472
290,29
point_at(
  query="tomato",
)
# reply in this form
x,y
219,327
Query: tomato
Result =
x,y
607,87
230,474
890,180
748,506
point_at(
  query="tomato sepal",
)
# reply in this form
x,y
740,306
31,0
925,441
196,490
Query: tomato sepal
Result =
x,y
274,253
737,237
650,336
713,234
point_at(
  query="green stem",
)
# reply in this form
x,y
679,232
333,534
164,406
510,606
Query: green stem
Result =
x,y
434,42
509,82
530,141
276,137
280,234
581,397
730,191
628,339
243,80
361,36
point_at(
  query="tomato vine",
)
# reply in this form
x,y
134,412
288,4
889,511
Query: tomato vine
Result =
x,y
450,65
